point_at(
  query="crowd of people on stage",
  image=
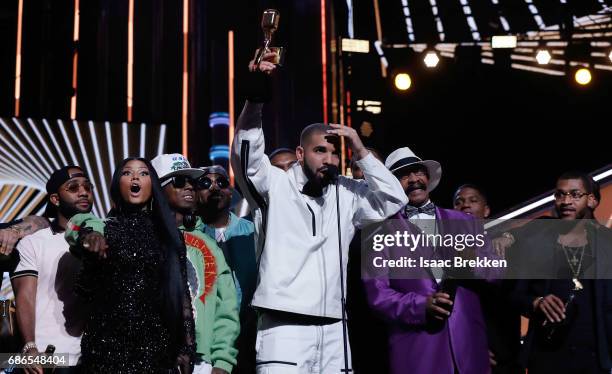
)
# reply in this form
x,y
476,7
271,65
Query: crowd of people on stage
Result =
x,y
173,281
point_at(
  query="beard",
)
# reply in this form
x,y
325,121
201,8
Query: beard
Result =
x,y
310,174
314,176
216,203
314,186
68,210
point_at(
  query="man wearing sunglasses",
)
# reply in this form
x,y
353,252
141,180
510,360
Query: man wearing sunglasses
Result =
x,y
299,289
569,328
209,278
235,236
48,311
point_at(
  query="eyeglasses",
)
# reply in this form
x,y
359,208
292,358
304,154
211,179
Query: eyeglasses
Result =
x,y
180,181
75,187
204,183
574,194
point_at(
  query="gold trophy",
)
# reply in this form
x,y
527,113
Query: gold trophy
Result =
x,y
269,25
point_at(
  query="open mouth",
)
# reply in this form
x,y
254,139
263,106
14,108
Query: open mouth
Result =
x,y
134,188
188,197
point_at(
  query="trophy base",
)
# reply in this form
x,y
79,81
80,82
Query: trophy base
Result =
x,y
279,57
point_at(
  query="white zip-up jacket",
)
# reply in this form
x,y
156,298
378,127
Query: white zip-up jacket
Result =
x,y
299,262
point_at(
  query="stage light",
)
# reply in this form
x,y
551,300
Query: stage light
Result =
x,y
543,57
583,76
218,119
503,41
372,106
217,152
431,59
610,55
402,81
355,45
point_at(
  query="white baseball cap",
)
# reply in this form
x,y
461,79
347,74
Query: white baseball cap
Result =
x,y
174,164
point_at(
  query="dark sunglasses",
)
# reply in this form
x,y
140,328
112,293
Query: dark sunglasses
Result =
x,y
204,183
180,181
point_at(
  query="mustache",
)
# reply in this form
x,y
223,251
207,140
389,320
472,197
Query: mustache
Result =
x,y
416,186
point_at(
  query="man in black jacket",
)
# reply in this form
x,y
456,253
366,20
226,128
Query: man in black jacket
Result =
x,y
570,327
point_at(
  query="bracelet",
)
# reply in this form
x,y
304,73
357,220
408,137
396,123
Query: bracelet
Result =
x,y
28,346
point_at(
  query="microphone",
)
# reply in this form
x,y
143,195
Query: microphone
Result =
x,y
330,174
189,221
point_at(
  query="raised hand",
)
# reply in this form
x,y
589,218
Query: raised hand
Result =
x,y
352,138
265,66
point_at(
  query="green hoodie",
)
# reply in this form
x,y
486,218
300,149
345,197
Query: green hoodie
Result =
x,y
211,286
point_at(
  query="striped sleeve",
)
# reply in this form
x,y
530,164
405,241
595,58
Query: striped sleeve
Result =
x,y
28,264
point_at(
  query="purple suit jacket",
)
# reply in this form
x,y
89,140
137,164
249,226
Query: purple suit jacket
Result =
x,y
462,341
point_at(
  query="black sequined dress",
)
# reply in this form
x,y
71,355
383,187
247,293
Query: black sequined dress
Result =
x,y
125,332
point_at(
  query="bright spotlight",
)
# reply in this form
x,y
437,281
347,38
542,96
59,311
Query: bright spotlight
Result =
x,y
402,81
431,59
543,57
610,55
503,41
583,76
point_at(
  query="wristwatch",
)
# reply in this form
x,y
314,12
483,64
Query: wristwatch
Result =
x,y
28,346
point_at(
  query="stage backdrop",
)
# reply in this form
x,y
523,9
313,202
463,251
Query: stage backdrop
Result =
x,y
30,150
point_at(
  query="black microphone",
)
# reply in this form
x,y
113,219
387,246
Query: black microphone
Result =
x,y
330,174
189,221
49,351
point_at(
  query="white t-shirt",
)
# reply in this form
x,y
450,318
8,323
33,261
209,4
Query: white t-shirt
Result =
x,y
60,316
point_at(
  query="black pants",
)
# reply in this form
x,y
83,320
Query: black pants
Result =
x,y
246,342
575,360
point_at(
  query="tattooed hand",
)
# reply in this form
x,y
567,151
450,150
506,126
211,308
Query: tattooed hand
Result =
x,y
9,237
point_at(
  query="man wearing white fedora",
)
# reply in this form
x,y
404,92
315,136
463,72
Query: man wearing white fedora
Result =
x,y
435,325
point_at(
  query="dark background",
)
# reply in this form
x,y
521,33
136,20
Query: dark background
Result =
x,y
510,131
